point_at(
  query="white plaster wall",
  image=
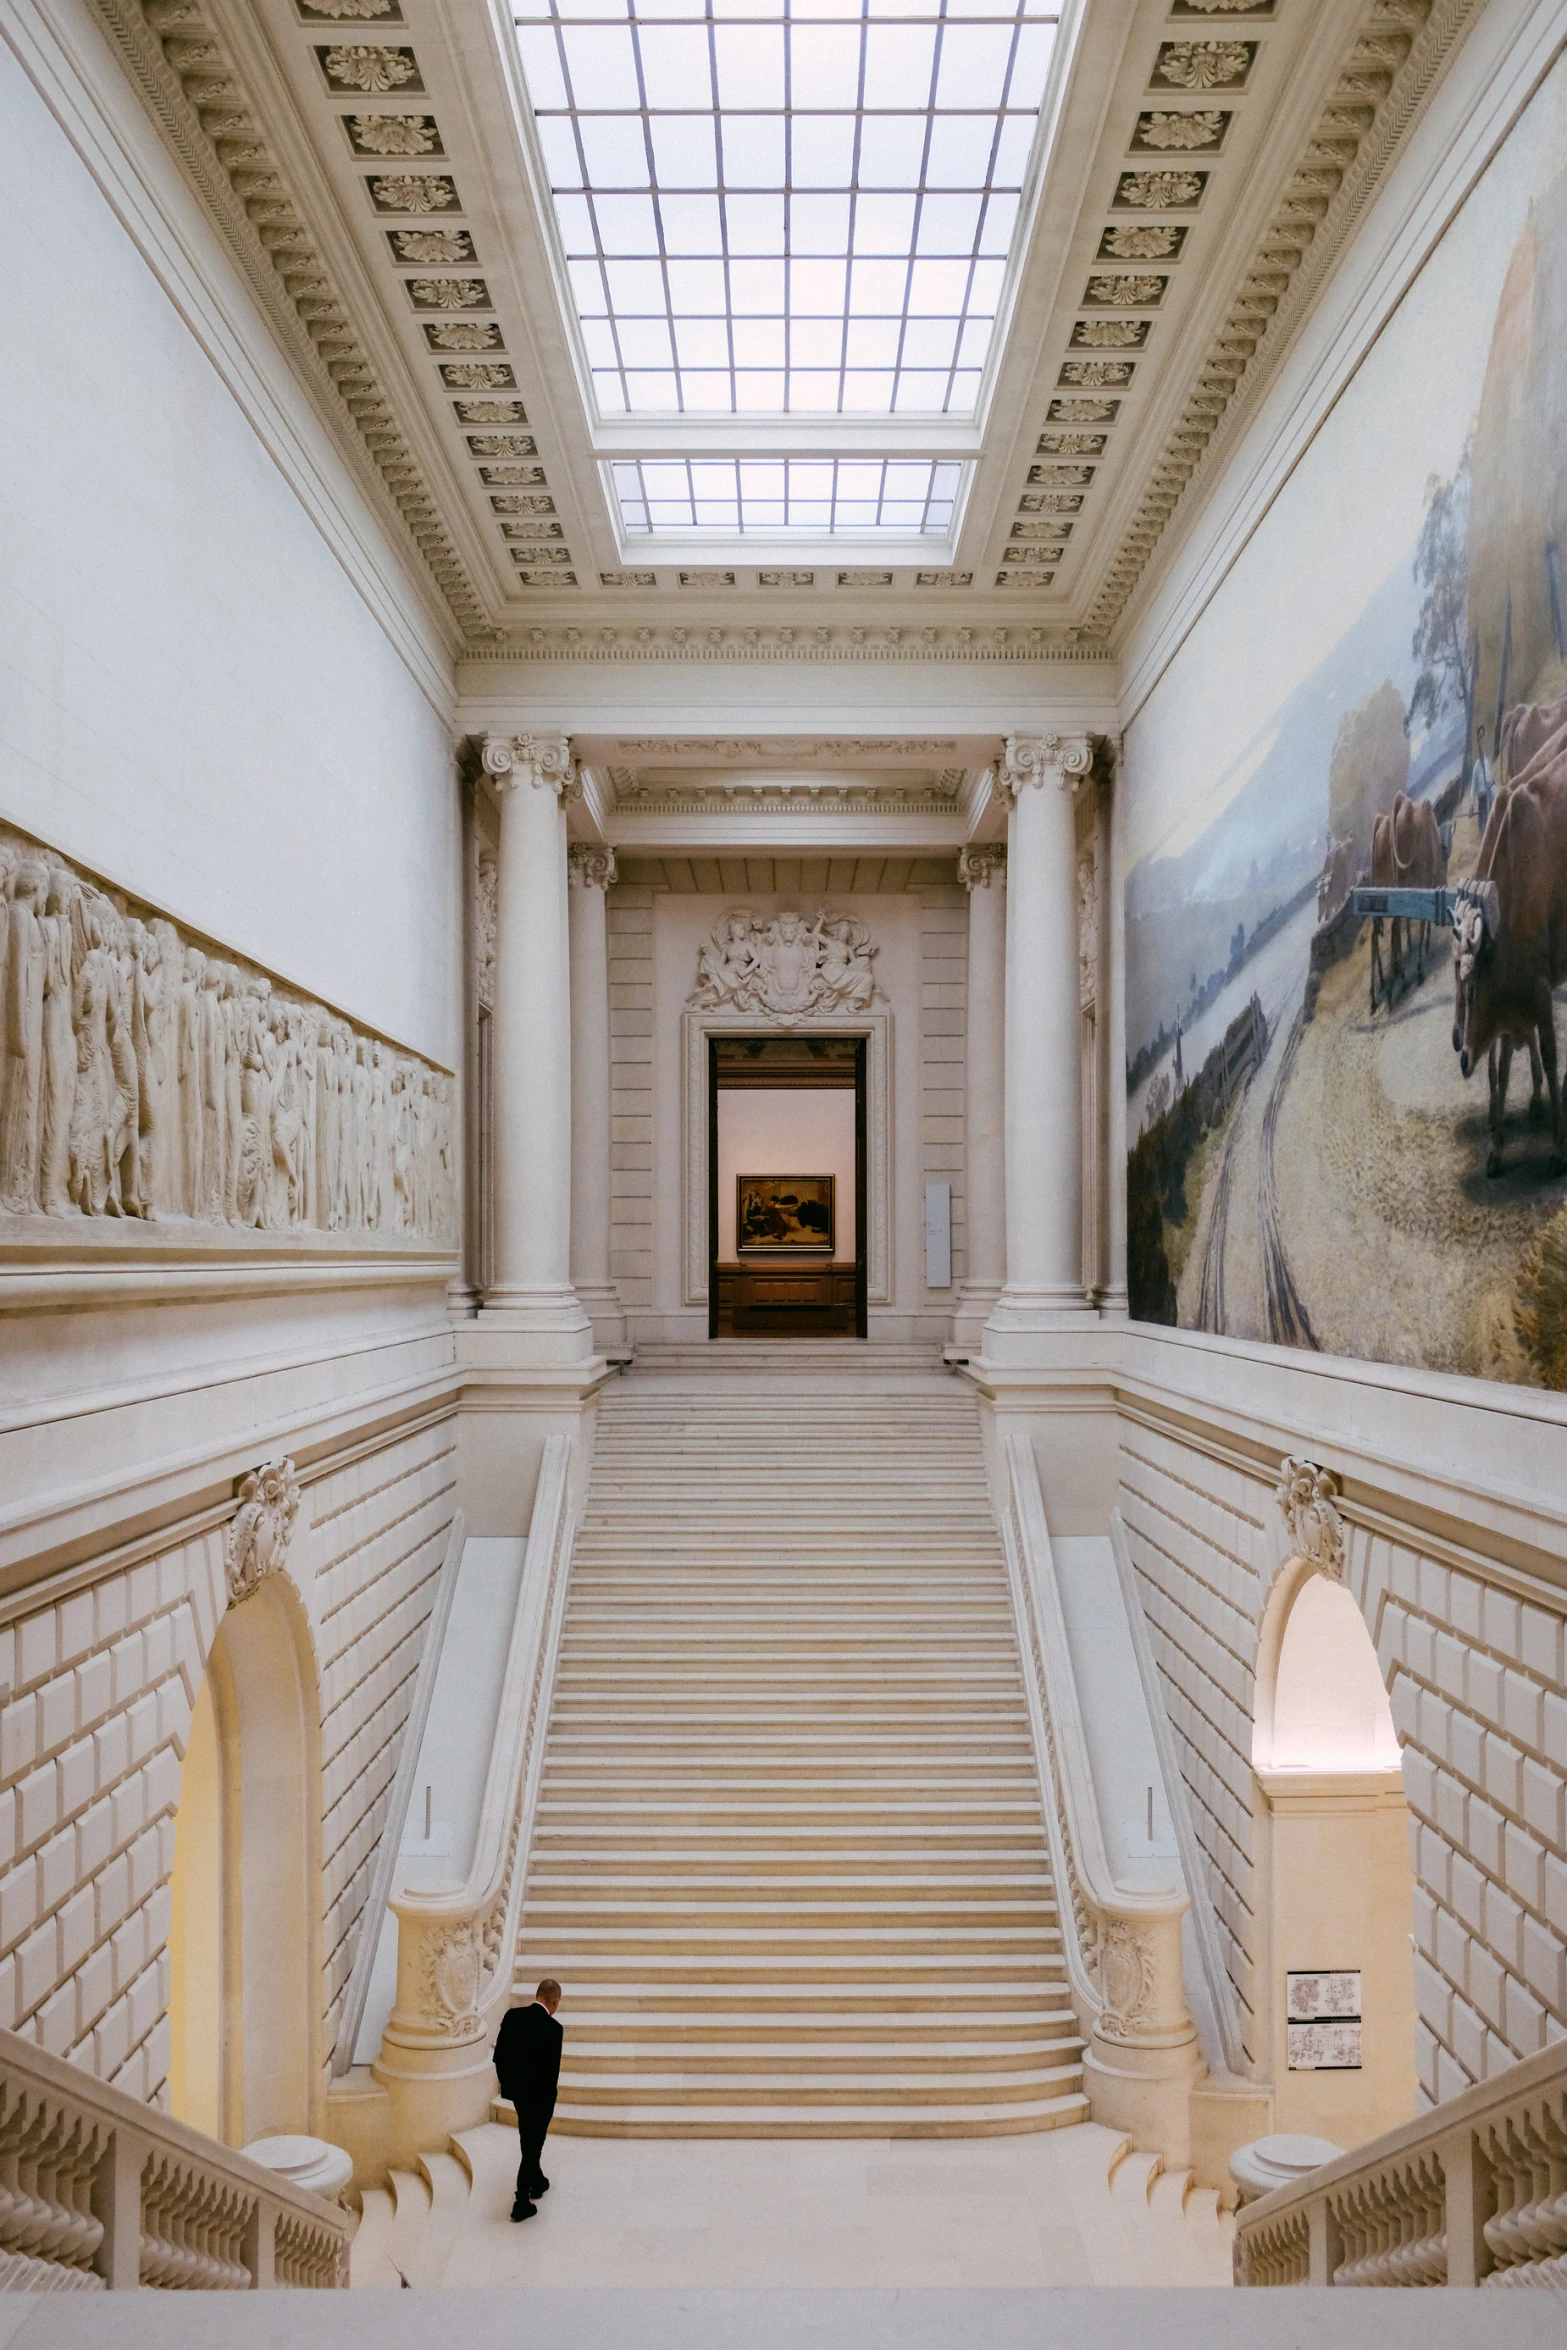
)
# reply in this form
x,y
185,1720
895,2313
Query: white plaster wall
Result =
x,y
194,697
791,1132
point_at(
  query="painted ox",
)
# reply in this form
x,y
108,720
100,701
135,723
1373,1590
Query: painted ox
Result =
x,y
1406,853
1336,879
1510,942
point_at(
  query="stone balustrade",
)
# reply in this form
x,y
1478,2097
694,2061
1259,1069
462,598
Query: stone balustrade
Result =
x,y
455,1945
1123,1944
101,2193
1470,2193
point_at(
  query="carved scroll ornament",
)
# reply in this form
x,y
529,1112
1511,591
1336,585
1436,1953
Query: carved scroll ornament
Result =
x,y
1046,758
256,1543
1307,1499
786,968
979,867
143,1076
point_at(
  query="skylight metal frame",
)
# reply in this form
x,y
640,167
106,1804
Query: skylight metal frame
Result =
x,y
907,508
814,433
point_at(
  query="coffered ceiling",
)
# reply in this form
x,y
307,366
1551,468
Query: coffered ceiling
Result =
x,y
377,169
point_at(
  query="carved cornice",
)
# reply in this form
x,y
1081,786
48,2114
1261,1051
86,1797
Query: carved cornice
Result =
x,y
1063,759
544,760
1397,56
193,93
821,644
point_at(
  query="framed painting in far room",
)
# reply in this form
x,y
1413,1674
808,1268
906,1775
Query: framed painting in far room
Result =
x,y
784,1212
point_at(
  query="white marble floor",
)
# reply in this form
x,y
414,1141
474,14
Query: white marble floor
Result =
x,y
1025,2211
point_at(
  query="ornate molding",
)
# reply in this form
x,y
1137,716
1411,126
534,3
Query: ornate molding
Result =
x,y
255,1543
633,643
979,867
590,865
450,1974
486,917
1394,62
189,85
1063,759
1307,1497
1087,928
786,969
543,760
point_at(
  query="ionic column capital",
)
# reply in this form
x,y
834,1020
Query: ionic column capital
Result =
x,y
1062,759
979,867
590,864
544,760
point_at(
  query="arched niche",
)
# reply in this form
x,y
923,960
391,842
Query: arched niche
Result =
x,y
1335,1881
245,1896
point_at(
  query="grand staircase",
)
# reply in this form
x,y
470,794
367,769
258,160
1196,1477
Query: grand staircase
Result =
x,y
789,1861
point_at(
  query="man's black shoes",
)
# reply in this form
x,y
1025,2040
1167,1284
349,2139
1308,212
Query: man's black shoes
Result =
x,y
521,2210
540,2186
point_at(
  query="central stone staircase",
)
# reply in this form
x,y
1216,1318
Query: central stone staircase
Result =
x,y
789,1861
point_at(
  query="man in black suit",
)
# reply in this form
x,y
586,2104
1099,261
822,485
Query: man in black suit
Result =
x,y
527,2065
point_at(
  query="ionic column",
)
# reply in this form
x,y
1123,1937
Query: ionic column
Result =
x,y
983,873
1044,1283
591,869
531,1290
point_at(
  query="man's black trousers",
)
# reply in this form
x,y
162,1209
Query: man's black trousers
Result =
x,y
533,2123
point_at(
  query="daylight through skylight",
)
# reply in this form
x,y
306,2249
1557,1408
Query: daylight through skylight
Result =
x,y
786,205
758,495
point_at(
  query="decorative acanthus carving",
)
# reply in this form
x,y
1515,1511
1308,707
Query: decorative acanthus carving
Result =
x,y
1063,759
486,905
450,1973
544,760
1127,1978
590,865
1307,1497
979,867
256,1543
1087,929
786,968
143,1076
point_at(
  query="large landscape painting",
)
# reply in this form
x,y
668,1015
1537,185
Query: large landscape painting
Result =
x,y
1319,1153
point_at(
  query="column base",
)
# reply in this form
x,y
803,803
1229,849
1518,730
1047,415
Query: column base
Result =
x,y
543,1327
601,1303
977,1301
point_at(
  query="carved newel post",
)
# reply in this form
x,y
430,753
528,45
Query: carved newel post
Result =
x,y
531,1292
592,870
1044,1283
983,873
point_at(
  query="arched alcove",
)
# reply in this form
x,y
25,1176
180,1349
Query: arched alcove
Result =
x,y
244,1933
1335,1879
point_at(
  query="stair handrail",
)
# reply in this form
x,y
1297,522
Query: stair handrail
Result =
x,y
1461,2195
389,1849
1122,1943
100,2193
455,1943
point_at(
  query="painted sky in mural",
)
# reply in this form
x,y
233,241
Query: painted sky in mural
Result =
x,y
1308,1162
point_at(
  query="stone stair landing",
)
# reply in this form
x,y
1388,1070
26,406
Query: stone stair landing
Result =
x,y
789,1861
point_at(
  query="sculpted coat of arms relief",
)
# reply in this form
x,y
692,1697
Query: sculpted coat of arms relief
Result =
x,y
787,967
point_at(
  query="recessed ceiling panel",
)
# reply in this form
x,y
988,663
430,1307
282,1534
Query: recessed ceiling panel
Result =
x,y
786,206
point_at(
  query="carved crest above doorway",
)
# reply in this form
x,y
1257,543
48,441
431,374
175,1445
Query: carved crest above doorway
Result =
x,y
787,967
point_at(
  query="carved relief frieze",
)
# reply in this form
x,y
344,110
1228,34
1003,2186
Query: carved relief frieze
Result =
x,y
146,1076
255,1543
786,968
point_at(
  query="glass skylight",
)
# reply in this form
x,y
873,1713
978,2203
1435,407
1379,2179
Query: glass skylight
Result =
x,y
740,496
799,206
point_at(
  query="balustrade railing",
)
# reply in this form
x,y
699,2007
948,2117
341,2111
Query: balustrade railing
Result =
x,y
455,1944
1472,2193
1123,1944
100,2193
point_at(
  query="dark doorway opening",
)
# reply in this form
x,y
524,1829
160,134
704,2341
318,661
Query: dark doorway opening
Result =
x,y
755,1289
